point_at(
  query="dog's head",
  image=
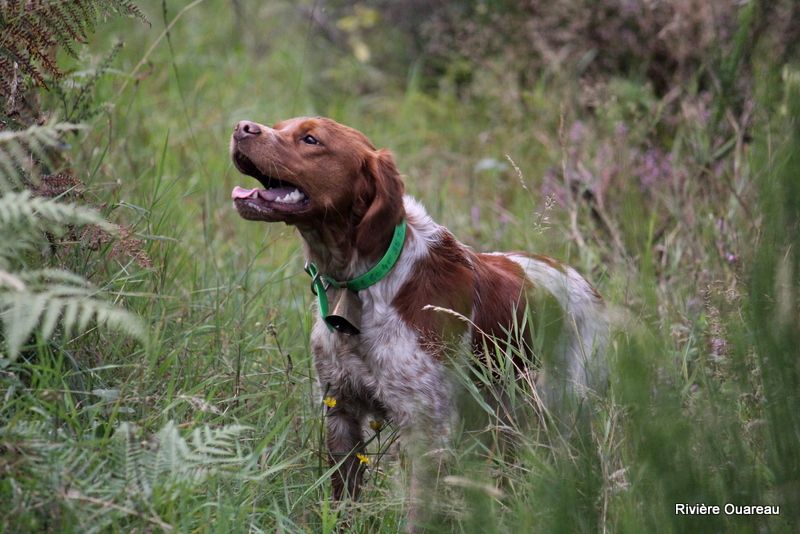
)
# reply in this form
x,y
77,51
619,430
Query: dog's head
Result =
x,y
315,171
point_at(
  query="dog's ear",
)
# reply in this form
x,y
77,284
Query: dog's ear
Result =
x,y
383,199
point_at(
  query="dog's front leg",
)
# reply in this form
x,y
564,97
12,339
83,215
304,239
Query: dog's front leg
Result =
x,y
430,457
426,430
344,442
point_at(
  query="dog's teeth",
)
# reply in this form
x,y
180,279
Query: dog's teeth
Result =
x,y
290,198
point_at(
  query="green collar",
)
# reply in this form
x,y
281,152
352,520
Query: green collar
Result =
x,y
320,282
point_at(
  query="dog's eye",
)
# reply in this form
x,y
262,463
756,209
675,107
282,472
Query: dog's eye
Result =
x,y
310,140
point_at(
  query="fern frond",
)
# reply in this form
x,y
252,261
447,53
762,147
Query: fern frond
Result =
x,y
49,297
25,210
105,486
42,277
21,150
217,445
132,459
32,28
14,250
11,281
209,448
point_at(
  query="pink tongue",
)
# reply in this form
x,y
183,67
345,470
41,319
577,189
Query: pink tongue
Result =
x,y
264,194
241,192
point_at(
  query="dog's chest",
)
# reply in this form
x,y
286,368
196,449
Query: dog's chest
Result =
x,y
385,363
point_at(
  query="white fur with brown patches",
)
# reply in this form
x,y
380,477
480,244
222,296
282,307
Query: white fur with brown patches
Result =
x,y
386,369
582,348
386,362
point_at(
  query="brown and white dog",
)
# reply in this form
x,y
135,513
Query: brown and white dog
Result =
x,y
346,198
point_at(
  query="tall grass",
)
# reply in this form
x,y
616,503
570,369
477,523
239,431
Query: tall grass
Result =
x,y
689,231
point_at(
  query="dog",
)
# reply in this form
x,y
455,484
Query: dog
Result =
x,y
413,294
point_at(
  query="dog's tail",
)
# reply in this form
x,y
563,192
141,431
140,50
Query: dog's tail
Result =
x,y
578,366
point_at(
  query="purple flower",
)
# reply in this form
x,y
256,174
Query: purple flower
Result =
x,y
475,215
577,132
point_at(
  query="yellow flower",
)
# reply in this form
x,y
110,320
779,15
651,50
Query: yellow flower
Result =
x,y
376,425
330,402
362,458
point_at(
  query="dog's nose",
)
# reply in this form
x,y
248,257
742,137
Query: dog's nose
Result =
x,y
246,129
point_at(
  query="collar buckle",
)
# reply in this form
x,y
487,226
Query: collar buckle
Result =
x,y
316,278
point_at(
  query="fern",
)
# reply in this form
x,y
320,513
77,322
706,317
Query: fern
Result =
x,y
72,305
56,474
31,29
209,450
23,209
23,152
100,486
44,298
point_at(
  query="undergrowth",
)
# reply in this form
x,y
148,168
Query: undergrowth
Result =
x,y
676,195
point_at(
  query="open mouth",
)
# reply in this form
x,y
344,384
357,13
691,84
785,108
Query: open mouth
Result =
x,y
276,196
